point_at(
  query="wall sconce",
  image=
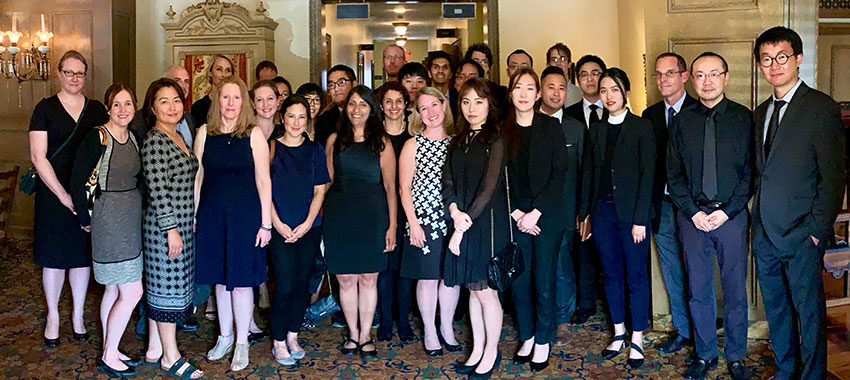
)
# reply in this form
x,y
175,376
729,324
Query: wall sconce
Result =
x,y
28,59
400,28
400,41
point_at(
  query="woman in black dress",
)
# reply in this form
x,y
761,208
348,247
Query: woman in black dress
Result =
x,y
57,128
220,67
360,213
474,196
392,288
537,169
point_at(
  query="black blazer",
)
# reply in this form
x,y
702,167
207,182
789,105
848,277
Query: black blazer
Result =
x,y
576,111
657,114
575,134
326,124
633,169
541,171
800,186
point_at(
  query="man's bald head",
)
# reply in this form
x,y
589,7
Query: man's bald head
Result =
x,y
393,59
180,75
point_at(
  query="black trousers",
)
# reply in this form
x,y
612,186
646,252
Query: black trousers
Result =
x,y
791,285
729,244
292,264
586,268
393,287
534,290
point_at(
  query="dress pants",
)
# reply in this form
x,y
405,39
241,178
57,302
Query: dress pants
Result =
x,y
791,284
729,243
565,291
584,260
292,264
622,259
394,287
673,269
534,290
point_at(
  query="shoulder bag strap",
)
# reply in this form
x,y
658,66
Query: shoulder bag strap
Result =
x,y
73,132
508,192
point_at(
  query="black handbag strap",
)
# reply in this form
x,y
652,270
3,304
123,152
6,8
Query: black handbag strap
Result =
x,y
508,192
73,132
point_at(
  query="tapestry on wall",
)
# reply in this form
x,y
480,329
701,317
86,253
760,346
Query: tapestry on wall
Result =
x,y
199,83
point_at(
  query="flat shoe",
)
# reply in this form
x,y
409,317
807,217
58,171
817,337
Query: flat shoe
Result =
x,y
132,362
112,372
81,337
286,361
221,349
371,353
349,351
149,362
298,355
180,363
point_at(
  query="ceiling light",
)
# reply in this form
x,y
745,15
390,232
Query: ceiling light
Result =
x,y
400,41
400,28
399,9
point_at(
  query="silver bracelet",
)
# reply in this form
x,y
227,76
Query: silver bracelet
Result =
x,y
266,227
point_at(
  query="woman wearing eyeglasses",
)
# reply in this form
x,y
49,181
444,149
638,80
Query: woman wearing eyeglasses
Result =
x,y
313,94
56,130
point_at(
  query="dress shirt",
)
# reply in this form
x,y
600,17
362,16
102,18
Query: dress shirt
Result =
x,y
183,128
786,99
677,107
586,107
734,126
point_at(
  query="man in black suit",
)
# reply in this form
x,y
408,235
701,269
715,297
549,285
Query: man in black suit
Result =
x,y
671,74
341,79
554,92
800,156
588,110
708,169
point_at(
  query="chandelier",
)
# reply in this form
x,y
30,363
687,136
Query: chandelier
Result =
x,y
27,60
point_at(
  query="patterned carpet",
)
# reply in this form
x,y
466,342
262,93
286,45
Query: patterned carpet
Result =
x,y
22,355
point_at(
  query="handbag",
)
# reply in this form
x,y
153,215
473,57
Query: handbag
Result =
x,y
505,266
27,183
92,185
322,308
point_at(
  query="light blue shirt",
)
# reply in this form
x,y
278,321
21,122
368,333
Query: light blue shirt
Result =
x,y
676,107
183,128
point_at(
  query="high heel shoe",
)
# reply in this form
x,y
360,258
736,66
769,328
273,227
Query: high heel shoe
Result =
x,y
484,376
636,363
537,367
81,337
242,351
463,369
610,354
438,353
221,349
51,343
449,347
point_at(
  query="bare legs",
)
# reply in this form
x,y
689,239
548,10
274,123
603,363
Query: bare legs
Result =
x,y
115,310
166,342
52,281
235,306
428,292
485,314
358,295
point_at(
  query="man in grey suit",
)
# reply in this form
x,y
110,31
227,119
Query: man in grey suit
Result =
x,y
800,156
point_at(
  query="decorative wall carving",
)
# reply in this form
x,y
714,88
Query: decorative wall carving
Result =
x,y
839,71
737,51
682,6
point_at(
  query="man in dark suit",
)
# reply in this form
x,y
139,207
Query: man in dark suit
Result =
x,y
800,156
341,79
671,74
708,168
588,110
554,93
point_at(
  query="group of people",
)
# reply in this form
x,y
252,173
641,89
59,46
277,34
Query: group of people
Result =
x,y
426,179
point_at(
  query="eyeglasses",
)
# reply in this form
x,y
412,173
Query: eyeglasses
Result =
x,y
340,83
780,58
712,75
69,73
482,62
314,100
669,74
585,75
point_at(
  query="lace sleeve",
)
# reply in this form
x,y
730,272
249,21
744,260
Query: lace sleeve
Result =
x,y
492,176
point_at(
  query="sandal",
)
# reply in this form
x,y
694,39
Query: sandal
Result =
x,y
211,315
221,349
188,370
636,363
349,351
155,362
373,353
242,351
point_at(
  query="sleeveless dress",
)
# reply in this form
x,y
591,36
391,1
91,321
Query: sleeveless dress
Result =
x,y
356,215
426,263
394,256
170,178
229,216
116,230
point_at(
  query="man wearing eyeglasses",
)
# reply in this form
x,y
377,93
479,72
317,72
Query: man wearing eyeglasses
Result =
x,y
800,156
589,110
671,74
341,80
560,55
708,170
394,59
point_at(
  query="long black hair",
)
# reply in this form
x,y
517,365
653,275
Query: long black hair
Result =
x,y
490,129
374,129
621,80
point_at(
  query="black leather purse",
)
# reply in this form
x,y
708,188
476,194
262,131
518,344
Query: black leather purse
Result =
x,y
505,266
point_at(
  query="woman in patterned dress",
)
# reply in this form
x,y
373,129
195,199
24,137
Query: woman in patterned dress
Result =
x,y
420,168
169,245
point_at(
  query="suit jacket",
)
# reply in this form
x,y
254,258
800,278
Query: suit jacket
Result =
x,y
633,169
541,171
576,111
326,124
575,135
657,114
800,186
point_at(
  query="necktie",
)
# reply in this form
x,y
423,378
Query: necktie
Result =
x,y
670,113
594,117
773,125
709,157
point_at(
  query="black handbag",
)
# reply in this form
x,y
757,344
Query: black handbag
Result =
x,y
505,266
27,183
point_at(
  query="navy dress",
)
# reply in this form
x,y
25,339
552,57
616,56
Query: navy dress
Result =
x,y
229,216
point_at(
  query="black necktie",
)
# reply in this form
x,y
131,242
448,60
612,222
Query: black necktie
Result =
x,y
773,125
594,117
709,157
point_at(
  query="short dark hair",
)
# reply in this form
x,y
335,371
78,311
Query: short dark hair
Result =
x,y
620,79
680,62
391,86
150,97
113,91
309,88
590,58
561,48
480,47
414,68
292,100
778,34
469,61
264,65
281,80
521,51
345,69
710,54
434,55
552,70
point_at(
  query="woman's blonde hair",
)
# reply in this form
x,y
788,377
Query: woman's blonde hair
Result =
x,y
418,127
246,120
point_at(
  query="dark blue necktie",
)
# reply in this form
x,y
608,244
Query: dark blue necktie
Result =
x,y
670,113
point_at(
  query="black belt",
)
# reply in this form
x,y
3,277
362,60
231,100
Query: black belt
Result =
x,y
710,205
